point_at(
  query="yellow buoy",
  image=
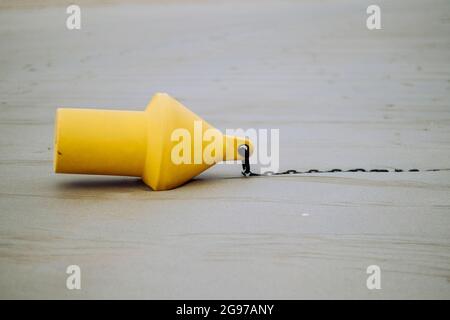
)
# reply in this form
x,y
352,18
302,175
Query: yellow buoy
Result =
x,y
165,144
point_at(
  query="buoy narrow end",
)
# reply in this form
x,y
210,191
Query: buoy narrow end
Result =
x,y
231,147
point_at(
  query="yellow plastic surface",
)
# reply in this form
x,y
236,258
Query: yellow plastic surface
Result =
x,y
133,143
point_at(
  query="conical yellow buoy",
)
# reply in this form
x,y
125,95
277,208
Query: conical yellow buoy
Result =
x,y
165,144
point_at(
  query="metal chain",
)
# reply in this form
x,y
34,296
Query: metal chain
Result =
x,y
245,151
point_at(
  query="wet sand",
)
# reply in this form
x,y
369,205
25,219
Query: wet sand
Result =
x,y
342,97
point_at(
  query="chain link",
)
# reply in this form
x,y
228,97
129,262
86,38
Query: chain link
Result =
x,y
248,173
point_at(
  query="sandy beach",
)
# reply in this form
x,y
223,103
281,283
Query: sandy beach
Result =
x,y
341,95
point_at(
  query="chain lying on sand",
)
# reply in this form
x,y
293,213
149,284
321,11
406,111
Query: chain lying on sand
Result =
x,y
245,151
